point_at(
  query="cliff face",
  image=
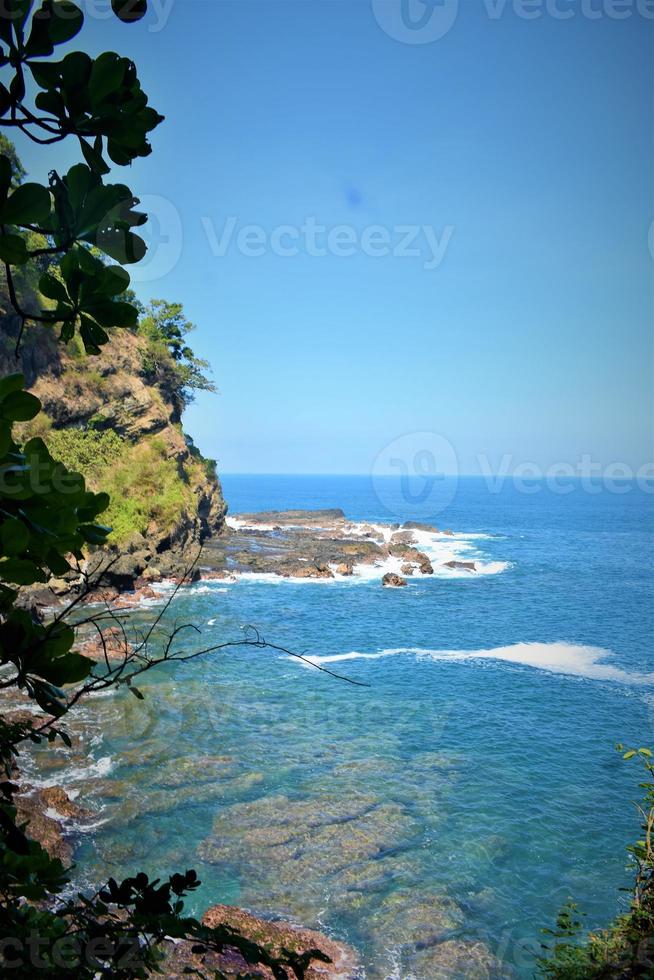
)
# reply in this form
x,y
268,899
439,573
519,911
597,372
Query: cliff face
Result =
x,y
110,419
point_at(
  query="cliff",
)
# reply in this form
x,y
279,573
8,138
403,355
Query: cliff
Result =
x,y
116,419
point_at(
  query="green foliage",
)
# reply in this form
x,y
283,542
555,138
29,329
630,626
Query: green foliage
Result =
x,y
100,103
55,242
146,488
89,451
626,948
48,516
167,358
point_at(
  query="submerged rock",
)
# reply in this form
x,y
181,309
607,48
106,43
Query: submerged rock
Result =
x,y
45,827
453,960
410,917
275,936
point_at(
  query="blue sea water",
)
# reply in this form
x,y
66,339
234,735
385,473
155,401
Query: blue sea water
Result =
x,y
453,797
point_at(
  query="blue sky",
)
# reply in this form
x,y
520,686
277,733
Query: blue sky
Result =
x,y
525,147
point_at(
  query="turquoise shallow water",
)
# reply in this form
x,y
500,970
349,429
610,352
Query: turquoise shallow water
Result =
x,y
462,798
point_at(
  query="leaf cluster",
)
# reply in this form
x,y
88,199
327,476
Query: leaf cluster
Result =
x,y
98,102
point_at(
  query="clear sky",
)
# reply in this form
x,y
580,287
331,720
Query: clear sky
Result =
x,y
518,151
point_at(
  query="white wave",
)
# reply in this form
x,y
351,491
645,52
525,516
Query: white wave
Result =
x,y
207,589
98,769
439,547
557,658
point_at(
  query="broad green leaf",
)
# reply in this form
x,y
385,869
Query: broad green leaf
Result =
x,y
29,204
21,571
53,288
67,21
14,537
20,406
46,75
123,246
110,313
11,382
5,100
39,44
106,75
13,249
93,158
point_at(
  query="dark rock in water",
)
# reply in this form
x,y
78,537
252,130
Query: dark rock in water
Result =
x,y
469,566
393,581
113,644
345,568
302,569
419,526
448,532
407,569
275,936
402,537
123,573
45,828
456,958
409,554
283,518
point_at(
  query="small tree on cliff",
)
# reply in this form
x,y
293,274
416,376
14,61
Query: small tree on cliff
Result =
x,y
168,358
66,234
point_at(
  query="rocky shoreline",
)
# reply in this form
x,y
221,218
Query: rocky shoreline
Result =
x,y
297,545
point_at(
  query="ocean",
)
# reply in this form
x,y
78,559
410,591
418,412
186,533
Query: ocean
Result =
x,y
464,794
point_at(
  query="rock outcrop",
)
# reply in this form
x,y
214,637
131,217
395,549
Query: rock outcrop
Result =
x,y
393,581
166,498
275,936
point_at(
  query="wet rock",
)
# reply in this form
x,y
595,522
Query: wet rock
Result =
x,y
393,581
43,827
414,918
455,959
449,532
407,569
275,936
402,537
469,566
281,847
55,798
420,526
345,568
123,572
283,518
113,642
302,569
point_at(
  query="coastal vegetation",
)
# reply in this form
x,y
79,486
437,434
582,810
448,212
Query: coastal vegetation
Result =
x,y
626,947
57,243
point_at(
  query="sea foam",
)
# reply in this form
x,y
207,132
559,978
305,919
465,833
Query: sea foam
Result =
x,y
557,658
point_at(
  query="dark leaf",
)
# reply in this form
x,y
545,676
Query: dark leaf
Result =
x,y
29,204
129,10
13,249
20,406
